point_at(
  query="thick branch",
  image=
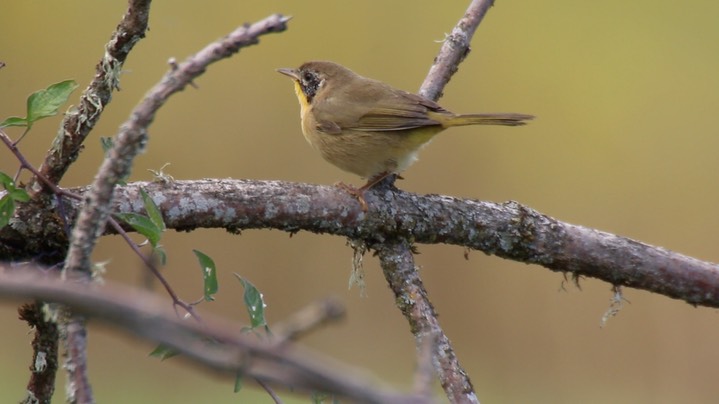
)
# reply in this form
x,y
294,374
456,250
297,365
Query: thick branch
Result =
x,y
214,344
508,230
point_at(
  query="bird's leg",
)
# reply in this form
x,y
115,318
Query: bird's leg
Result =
x,y
358,193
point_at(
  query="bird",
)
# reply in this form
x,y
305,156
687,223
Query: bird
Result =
x,y
369,128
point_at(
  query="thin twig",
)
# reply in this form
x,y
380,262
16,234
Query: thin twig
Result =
x,y
176,301
24,164
269,391
310,317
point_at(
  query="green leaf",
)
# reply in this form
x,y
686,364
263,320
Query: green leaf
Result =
x,y
7,182
19,195
13,121
143,225
319,397
238,382
164,352
209,274
7,208
161,255
254,302
45,103
7,203
152,210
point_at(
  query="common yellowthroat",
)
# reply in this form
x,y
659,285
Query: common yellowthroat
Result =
x,y
369,128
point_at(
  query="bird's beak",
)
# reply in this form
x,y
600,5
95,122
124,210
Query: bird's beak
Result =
x,y
289,72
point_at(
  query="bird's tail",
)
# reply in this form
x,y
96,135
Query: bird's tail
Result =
x,y
508,119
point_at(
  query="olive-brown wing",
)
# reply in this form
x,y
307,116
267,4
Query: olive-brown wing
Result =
x,y
374,106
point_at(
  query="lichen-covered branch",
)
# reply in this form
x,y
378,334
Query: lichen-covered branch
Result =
x,y
79,122
509,230
41,385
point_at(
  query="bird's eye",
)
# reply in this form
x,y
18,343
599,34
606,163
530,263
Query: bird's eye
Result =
x,y
308,77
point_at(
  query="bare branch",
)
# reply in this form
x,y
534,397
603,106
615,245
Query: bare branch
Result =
x,y
75,341
214,344
454,49
397,262
424,375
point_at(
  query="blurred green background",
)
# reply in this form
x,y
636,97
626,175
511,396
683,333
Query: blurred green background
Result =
x,y
626,141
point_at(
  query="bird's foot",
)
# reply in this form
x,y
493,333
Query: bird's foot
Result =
x,y
357,193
